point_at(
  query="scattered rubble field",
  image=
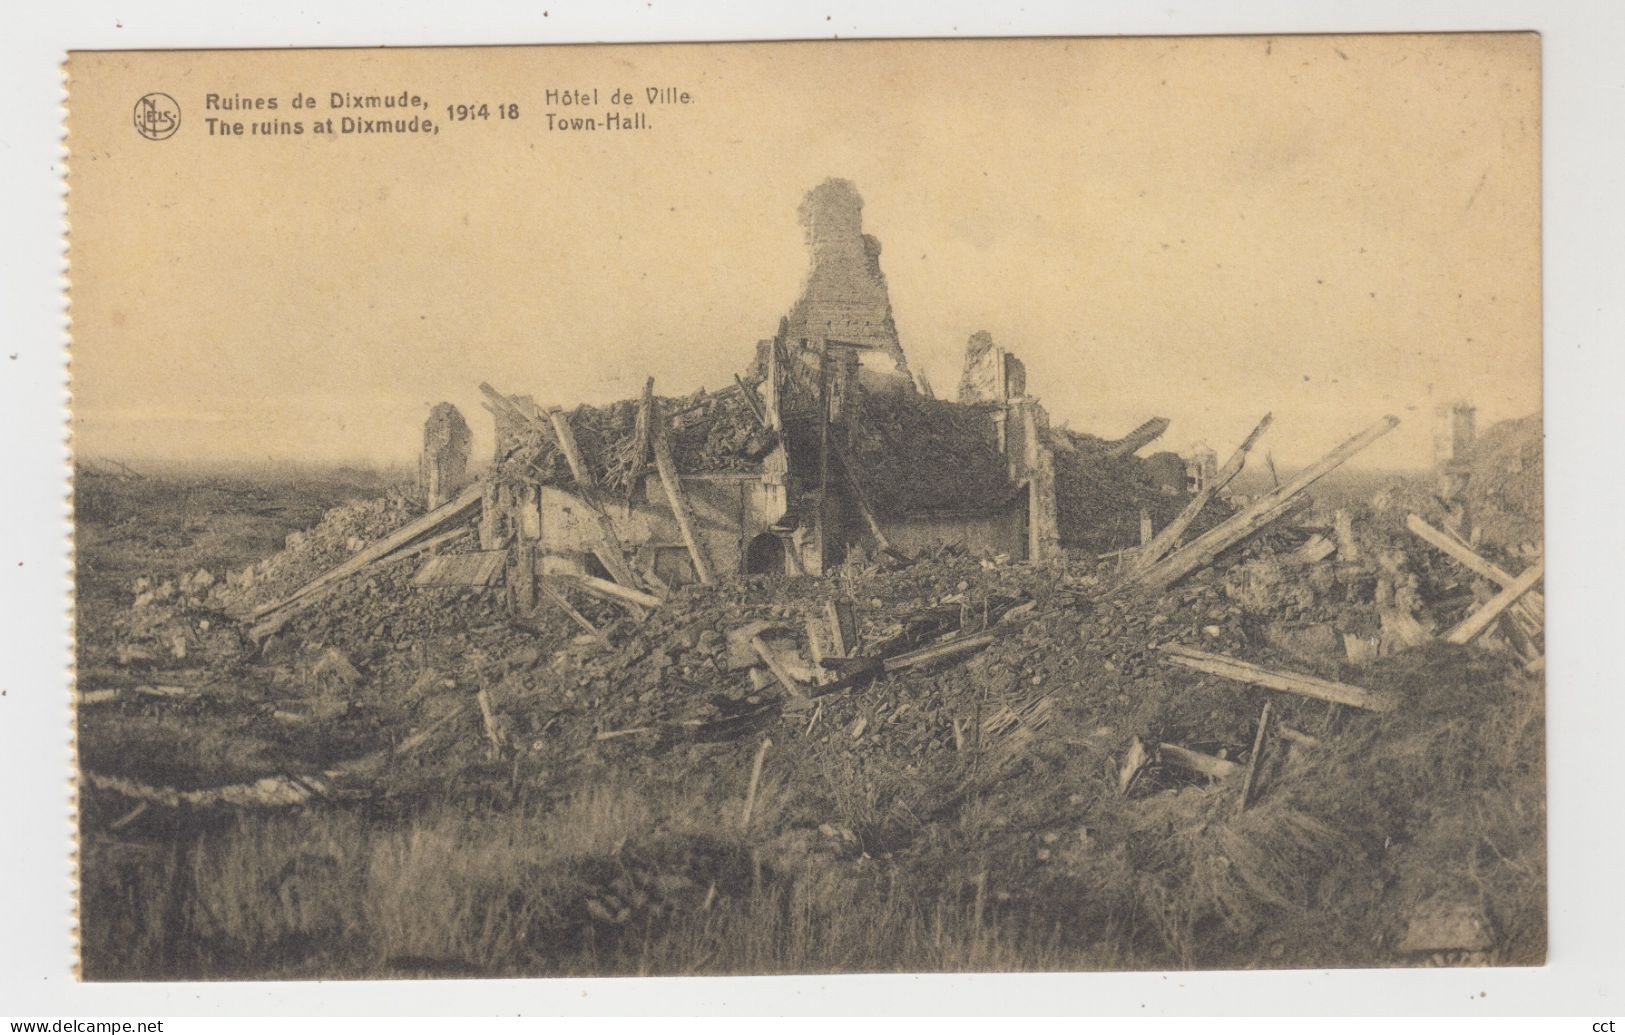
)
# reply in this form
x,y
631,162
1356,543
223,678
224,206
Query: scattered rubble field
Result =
x,y
1293,755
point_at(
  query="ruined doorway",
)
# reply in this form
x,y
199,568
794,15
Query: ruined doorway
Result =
x,y
764,555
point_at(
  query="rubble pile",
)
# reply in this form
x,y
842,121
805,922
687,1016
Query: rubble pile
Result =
x,y
927,454
1505,490
707,432
342,532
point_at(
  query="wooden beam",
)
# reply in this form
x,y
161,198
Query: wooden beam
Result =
x,y
1251,519
1480,620
1291,682
1250,783
612,553
466,503
938,651
1533,604
1196,762
607,590
776,667
270,624
1169,536
673,484
566,436
849,471
575,616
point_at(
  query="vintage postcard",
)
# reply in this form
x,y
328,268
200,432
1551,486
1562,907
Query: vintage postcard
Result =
x,y
808,507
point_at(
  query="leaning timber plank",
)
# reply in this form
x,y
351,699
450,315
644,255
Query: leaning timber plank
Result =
x,y
1256,515
272,624
613,553
1250,783
678,499
608,590
1196,762
466,503
849,470
1533,605
572,453
1480,620
1291,682
1164,541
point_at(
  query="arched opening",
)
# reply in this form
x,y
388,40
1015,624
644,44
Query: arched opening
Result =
x,y
764,555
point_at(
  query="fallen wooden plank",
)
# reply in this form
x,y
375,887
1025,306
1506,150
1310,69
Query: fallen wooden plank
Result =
x,y
1255,516
475,570
680,509
1297,736
775,666
1196,762
1480,620
1533,604
1317,549
466,503
607,590
1291,682
938,651
1169,536
260,630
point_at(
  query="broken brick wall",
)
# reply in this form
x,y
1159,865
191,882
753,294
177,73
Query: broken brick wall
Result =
x,y
443,464
845,297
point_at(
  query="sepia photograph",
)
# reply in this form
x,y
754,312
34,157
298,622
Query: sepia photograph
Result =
x,y
828,507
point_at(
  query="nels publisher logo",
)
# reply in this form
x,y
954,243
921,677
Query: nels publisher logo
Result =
x,y
157,116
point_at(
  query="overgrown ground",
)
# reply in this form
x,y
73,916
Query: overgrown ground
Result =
x,y
961,817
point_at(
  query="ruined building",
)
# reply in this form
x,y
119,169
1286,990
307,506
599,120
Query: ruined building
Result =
x,y
821,452
443,465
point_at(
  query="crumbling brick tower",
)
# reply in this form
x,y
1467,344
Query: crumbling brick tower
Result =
x,y
845,298
443,466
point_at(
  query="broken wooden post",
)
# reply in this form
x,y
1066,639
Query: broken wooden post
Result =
x,y
1255,516
1134,763
755,781
680,510
1480,620
1168,538
1251,780
1291,682
1146,531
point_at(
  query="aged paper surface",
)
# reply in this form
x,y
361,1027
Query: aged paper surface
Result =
x,y
806,507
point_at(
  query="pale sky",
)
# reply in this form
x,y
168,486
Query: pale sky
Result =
x,y
1328,228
